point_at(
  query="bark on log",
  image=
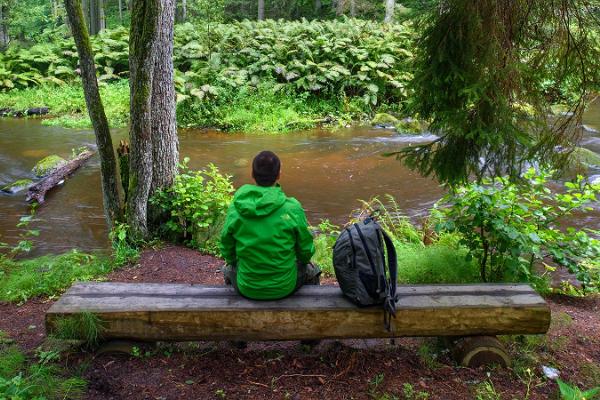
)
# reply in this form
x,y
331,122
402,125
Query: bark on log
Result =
x,y
38,191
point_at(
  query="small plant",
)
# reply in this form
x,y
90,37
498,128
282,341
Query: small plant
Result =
x,y
25,244
196,204
486,391
428,356
124,251
568,392
86,326
220,393
410,393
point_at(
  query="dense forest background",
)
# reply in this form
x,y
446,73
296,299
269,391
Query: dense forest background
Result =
x,y
35,21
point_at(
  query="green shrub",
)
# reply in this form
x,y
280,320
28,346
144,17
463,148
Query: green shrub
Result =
x,y
196,205
510,227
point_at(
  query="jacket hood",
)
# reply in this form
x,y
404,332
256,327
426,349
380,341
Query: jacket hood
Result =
x,y
258,201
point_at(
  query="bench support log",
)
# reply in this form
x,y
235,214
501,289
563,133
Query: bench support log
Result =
x,y
475,351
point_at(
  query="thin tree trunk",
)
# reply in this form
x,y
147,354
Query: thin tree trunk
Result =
x,y
165,143
108,164
4,37
389,10
353,8
182,11
101,16
93,17
341,5
121,12
317,8
261,10
143,34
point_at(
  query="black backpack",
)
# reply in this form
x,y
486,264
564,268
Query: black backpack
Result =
x,y
360,266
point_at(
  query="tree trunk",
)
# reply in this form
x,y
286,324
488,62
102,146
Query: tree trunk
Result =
x,y
261,10
121,12
4,37
389,10
353,8
165,143
182,11
101,16
317,8
341,5
108,165
93,17
143,34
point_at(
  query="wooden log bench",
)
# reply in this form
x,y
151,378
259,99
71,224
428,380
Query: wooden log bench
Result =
x,y
469,315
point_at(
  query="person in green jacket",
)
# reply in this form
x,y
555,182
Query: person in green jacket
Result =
x,y
265,241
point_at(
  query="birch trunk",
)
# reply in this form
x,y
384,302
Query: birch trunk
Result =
x,y
261,10
108,164
143,34
340,7
389,10
4,37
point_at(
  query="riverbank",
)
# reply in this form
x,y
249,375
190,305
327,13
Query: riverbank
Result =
x,y
262,109
409,369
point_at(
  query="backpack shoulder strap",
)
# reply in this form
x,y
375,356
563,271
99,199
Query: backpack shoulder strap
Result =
x,y
392,261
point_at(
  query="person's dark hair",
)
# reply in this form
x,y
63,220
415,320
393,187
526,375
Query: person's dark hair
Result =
x,y
265,168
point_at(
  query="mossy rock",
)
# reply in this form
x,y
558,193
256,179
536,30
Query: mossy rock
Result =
x,y
384,120
410,126
17,186
580,162
47,165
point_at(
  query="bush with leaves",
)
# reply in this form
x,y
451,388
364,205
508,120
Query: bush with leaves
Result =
x,y
196,206
510,228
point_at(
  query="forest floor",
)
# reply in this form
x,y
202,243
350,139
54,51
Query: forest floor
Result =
x,y
410,368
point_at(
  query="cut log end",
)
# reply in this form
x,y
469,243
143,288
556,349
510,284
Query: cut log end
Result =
x,y
477,351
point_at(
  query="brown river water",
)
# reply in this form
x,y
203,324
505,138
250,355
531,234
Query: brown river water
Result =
x,y
328,171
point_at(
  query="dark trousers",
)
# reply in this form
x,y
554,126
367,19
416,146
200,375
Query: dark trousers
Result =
x,y
308,274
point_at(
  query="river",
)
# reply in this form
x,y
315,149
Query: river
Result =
x,y
328,171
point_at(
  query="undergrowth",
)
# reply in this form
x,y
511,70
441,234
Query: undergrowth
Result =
x,y
40,378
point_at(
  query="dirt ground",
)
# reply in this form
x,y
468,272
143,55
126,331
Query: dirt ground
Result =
x,y
410,368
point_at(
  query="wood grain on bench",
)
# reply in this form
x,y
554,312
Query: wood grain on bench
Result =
x,y
177,312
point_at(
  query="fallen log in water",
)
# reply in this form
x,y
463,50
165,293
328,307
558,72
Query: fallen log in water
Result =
x,y
38,191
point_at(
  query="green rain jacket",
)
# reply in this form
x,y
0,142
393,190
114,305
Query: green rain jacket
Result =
x,y
264,236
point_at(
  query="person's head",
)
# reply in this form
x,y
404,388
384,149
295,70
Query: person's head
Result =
x,y
266,168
